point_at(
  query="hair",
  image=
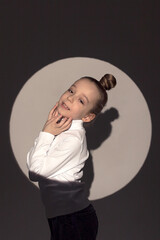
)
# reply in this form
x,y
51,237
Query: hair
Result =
x,y
107,82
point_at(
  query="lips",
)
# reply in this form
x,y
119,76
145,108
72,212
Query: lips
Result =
x,y
65,106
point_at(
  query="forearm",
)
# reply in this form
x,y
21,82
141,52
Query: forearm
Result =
x,y
37,154
47,158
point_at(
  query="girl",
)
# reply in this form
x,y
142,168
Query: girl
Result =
x,y
59,154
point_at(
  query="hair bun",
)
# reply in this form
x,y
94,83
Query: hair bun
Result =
x,y
108,81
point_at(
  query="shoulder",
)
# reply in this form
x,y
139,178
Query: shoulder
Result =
x,y
68,144
74,135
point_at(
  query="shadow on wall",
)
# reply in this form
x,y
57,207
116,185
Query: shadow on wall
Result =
x,y
97,132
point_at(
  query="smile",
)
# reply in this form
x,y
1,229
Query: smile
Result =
x,y
65,106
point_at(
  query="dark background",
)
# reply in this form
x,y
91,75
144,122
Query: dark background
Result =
x,y
123,33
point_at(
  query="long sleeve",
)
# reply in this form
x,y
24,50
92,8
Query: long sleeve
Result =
x,y
48,159
57,162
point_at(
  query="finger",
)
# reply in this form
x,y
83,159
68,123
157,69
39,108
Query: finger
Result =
x,y
58,119
67,127
67,122
56,113
52,111
62,121
48,122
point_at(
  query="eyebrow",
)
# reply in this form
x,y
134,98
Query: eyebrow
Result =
x,y
82,93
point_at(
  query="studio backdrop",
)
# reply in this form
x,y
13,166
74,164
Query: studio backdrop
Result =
x,y
45,47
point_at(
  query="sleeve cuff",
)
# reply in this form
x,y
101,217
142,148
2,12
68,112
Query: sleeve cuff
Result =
x,y
45,136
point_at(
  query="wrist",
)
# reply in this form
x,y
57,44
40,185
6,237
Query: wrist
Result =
x,y
47,133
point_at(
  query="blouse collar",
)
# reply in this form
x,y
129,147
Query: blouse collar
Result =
x,y
76,124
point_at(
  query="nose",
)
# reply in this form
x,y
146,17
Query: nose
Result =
x,y
70,98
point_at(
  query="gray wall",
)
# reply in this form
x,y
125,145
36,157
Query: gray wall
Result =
x,y
36,33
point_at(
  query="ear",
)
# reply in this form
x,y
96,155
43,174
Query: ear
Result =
x,y
89,117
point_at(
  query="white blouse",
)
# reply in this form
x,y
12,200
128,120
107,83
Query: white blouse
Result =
x,y
60,157
56,162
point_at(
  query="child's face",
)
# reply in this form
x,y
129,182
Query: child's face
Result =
x,y
78,100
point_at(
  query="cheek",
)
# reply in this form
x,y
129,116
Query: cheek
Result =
x,y
81,112
61,97
64,95
87,108
92,105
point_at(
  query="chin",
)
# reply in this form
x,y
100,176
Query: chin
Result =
x,y
64,114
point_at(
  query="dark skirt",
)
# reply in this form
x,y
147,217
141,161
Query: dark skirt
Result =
x,y
80,225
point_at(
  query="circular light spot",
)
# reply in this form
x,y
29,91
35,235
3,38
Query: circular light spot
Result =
x,y
119,158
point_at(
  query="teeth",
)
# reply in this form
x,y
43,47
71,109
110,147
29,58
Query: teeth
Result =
x,y
66,106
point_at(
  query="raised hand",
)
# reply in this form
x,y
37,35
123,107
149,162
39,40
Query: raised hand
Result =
x,y
56,123
53,110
